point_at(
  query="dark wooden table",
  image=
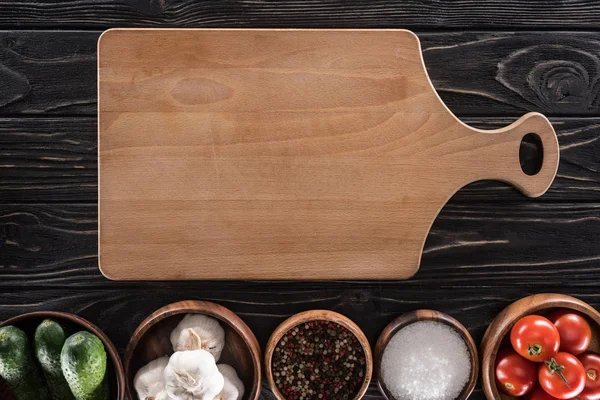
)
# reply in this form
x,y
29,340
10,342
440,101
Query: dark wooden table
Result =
x,y
490,61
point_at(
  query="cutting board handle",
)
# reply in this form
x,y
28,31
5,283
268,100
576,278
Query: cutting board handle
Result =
x,y
501,159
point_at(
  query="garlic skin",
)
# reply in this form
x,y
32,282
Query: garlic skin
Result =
x,y
193,375
149,382
160,396
233,389
199,332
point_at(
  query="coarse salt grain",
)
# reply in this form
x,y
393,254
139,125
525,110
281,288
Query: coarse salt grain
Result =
x,y
426,360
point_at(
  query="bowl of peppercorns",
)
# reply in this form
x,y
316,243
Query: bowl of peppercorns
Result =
x,y
320,355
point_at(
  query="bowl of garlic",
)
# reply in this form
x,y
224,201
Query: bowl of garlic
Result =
x,y
193,350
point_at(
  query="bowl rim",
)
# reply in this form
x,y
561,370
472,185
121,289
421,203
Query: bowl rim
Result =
x,y
505,320
412,317
76,319
198,307
318,315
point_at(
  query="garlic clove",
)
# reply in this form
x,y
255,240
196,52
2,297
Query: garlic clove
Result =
x,y
149,381
160,396
233,388
193,375
199,332
190,340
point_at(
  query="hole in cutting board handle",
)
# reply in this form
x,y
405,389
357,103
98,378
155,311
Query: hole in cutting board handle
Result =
x,y
531,154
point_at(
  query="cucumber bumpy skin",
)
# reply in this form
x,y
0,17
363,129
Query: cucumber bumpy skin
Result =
x,y
17,366
83,363
49,339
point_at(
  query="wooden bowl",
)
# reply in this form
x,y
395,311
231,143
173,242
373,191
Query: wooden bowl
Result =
x,y
29,322
318,315
426,315
151,340
497,336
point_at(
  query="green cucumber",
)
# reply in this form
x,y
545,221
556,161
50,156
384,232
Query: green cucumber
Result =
x,y
17,366
83,363
48,342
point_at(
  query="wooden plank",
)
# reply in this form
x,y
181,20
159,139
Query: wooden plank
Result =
x,y
48,72
55,242
55,72
504,73
54,160
500,244
48,159
327,13
264,305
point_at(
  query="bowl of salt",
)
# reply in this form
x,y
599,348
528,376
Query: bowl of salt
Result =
x,y
426,355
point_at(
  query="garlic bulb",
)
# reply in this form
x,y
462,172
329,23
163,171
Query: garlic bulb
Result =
x,y
199,332
193,375
149,382
233,389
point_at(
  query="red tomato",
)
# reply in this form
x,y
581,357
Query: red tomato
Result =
x,y
539,394
575,332
587,395
535,338
563,376
515,375
591,364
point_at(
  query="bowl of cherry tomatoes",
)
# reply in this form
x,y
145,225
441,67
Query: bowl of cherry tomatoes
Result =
x,y
543,347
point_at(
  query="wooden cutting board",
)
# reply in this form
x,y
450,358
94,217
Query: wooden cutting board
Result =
x,y
283,154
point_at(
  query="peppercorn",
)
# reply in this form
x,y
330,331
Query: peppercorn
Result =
x,y
318,360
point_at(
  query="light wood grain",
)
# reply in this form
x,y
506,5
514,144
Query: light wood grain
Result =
x,y
318,315
285,154
497,334
55,160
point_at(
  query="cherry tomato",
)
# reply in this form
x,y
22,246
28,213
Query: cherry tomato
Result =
x,y
587,395
563,376
539,394
575,332
515,375
591,364
535,338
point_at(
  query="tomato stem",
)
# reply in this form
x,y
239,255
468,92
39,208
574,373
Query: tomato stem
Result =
x,y
592,374
534,350
556,368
